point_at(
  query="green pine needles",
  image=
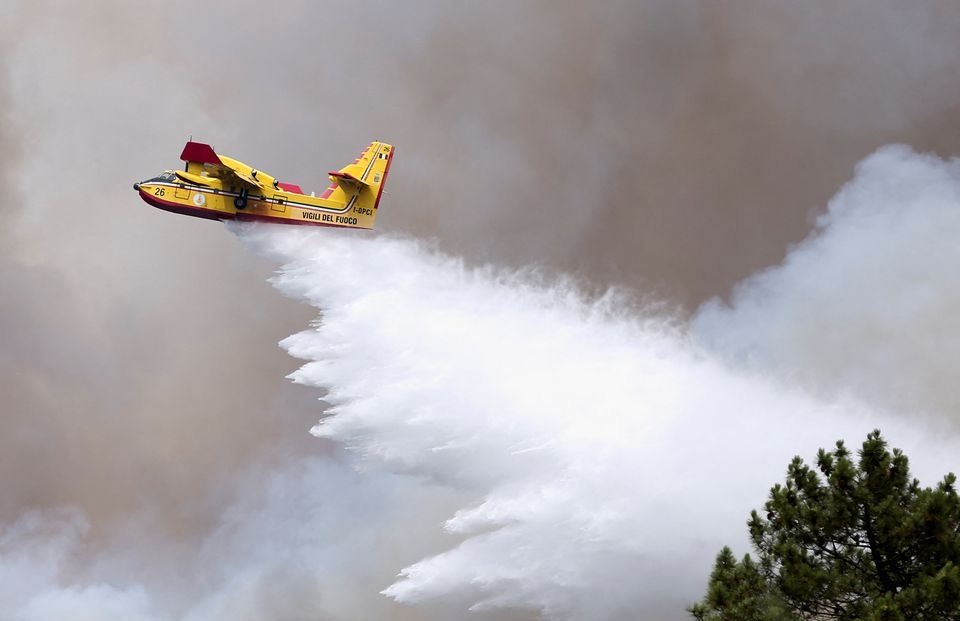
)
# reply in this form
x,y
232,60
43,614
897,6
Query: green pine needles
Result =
x,y
847,540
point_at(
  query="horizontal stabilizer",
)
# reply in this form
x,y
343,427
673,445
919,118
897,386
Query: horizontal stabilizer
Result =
x,y
345,176
289,187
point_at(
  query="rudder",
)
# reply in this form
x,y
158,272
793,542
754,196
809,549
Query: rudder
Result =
x,y
363,181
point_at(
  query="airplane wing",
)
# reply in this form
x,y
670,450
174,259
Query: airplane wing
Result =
x,y
191,178
356,175
242,173
225,167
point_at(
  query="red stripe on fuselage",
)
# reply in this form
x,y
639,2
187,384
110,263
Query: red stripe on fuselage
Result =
x,y
252,217
212,214
197,212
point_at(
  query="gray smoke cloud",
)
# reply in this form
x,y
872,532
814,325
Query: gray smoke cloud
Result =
x,y
865,305
671,147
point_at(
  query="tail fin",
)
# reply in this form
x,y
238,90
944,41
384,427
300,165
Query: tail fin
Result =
x,y
363,180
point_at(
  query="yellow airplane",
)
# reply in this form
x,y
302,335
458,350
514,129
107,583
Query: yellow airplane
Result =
x,y
217,187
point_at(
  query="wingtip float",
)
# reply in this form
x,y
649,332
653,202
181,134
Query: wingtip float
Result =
x,y
217,187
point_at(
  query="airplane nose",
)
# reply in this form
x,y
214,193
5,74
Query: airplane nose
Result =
x,y
136,187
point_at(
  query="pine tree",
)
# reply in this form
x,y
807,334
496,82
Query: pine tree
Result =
x,y
739,592
846,541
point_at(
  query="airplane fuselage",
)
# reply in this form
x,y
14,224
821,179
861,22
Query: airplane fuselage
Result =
x,y
211,200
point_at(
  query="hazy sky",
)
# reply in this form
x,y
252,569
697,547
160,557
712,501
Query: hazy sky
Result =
x,y
674,147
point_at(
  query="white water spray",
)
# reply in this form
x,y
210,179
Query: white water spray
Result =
x,y
607,457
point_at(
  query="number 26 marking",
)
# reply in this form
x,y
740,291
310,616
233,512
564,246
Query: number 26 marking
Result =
x,y
158,192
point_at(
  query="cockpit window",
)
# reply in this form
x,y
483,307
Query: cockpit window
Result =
x,y
167,177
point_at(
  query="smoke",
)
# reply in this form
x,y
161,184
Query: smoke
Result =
x,y
867,304
670,147
271,556
514,443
